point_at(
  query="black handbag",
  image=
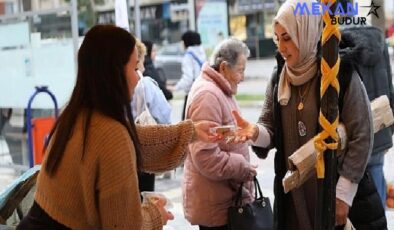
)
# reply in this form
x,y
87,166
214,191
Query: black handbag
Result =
x,y
253,216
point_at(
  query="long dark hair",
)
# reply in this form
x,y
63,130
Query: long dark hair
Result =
x,y
101,86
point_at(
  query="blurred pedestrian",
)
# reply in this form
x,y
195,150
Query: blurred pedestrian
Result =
x,y
148,96
367,49
151,71
5,115
192,62
147,92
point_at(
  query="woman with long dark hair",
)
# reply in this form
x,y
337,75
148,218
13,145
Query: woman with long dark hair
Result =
x,y
88,179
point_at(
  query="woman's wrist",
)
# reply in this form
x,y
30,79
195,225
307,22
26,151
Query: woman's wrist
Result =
x,y
255,132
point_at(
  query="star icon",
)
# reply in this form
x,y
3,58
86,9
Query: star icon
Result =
x,y
373,9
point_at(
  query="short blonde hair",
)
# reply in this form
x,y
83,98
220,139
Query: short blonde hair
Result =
x,y
141,48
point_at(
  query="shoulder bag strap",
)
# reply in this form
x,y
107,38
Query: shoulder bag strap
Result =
x,y
200,63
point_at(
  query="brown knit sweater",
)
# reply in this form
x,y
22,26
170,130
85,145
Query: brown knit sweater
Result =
x,y
100,190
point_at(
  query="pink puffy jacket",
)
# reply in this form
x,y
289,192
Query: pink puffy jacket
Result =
x,y
213,172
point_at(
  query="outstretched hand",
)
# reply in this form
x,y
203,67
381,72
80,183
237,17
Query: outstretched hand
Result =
x,y
203,132
160,204
246,131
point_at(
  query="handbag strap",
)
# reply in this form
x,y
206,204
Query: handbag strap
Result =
x,y
194,56
143,94
257,187
238,196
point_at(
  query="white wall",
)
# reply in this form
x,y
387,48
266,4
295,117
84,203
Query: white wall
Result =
x,y
27,61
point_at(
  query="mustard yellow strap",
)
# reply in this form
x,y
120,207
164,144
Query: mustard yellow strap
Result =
x,y
329,77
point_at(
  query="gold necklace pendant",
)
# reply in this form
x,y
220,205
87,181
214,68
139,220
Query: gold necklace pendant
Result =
x,y
300,106
303,95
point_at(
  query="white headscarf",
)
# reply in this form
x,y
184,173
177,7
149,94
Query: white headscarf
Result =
x,y
305,31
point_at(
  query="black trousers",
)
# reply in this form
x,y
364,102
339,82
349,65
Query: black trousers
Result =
x,y
38,219
146,181
224,227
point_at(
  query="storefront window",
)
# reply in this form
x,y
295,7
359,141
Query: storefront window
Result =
x,y
160,23
251,21
238,27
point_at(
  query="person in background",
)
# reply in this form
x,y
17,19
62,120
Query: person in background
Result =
x,y
151,71
147,92
192,62
290,118
5,115
147,95
88,179
366,48
5,156
214,172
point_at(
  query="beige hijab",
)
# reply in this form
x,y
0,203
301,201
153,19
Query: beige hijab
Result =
x,y
305,31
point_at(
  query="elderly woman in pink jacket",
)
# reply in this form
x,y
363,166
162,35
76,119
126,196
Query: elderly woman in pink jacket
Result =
x,y
213,172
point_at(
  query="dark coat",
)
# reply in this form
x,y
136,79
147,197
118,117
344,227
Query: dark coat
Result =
x,y
367,212
150,71
365,47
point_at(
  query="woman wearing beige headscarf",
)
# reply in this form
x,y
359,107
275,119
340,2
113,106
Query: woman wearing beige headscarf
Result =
x,y
290,118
